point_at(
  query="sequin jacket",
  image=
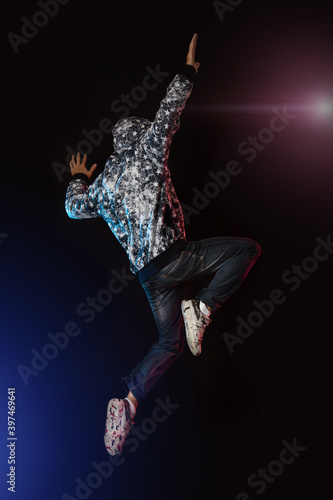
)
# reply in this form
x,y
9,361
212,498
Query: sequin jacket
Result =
x,y
135,194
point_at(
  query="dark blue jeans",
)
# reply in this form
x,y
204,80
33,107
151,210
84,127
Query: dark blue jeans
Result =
x,y
229,258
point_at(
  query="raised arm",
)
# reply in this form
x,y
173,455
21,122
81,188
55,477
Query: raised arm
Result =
x,y
167,118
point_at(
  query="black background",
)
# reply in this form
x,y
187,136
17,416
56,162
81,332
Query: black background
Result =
x,y
235,409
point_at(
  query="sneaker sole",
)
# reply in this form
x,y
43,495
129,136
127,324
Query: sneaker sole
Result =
x,y
113,448
186,310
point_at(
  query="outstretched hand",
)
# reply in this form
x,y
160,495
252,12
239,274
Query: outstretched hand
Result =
x,y
78,167
191,53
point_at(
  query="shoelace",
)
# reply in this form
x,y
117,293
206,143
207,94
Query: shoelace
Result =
x,y
203,322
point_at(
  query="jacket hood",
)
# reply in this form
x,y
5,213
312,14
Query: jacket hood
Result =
x,y
128,130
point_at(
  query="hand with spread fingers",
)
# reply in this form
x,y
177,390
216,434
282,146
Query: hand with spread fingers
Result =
x,y
79,167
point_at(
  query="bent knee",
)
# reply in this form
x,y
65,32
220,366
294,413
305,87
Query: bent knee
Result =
x,y
254,248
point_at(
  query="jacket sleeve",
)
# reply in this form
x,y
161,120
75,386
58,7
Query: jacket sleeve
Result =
x,y
82,201
167,118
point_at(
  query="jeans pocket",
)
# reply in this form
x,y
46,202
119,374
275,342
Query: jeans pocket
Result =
x,y
184,267
170,268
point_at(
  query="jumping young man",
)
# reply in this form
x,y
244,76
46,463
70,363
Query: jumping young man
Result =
x,y
135,196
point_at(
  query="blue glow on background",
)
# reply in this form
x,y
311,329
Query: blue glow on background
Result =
x,y
234,410
60,412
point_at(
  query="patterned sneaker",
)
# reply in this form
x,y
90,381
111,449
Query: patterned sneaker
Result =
x,y
117,426
195,324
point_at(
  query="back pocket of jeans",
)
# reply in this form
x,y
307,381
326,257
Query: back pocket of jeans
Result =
x,y
184,267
